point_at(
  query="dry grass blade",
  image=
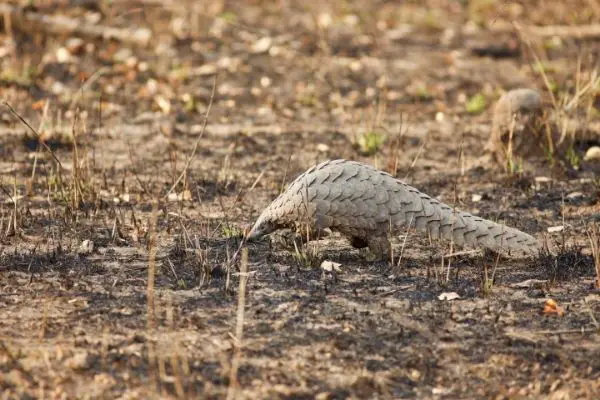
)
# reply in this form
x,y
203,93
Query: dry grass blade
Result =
x,y
239,329
537,60
37,135
150,295
195,148
594,238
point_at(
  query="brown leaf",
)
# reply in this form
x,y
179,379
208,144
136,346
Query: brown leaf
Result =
x,y
552,307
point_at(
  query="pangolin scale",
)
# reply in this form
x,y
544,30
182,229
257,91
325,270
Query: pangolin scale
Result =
x,y
366,205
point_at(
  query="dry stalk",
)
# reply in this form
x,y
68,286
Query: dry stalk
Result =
x,y
404,242
239,329
594,238
150,295
174,359
37,135
195,148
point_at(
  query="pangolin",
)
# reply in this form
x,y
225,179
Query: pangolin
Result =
x,y
366,205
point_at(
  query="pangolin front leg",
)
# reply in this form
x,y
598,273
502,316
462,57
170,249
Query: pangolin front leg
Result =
x,y
358,242
379,247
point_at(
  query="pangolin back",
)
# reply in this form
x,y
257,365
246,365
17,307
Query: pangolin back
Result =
x,y
360,201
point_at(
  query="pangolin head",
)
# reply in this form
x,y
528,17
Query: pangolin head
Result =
x,y
264,225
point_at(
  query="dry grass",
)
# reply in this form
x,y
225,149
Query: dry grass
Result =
x,y
148,156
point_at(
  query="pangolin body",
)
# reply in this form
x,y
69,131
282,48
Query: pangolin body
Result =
x,y
366,205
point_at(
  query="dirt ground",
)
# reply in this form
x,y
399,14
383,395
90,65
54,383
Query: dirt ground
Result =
x,y
122,215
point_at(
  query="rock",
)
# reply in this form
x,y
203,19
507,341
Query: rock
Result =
x,y
519,110
63,55
574,196
86,247
330,266
74,45
592,154
448,296
322,147
262,45
81,361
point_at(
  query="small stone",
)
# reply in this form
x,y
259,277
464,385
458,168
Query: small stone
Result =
x,y
574,196
86,247
265,81
122,55
81,361
74,45
324,20
476,198
63,55
163,103
330,266
57,87
448,296
555,229
205,70
262,45
592,154
322,147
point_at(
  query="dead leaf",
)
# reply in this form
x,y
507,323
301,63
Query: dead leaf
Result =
x,y
552,307
38,105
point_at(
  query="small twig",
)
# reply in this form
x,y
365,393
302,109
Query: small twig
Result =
x,y
404,242
173,269
519,31
86,84
150,292
37,135
60,24
462,253
285,172
236,254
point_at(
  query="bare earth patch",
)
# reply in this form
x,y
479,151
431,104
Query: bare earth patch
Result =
x,y
103,207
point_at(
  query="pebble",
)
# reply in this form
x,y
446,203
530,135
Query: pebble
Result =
x,y
448,296
262,45
81,361
322,147
574,196
330,266
63,55
86,247
593,153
